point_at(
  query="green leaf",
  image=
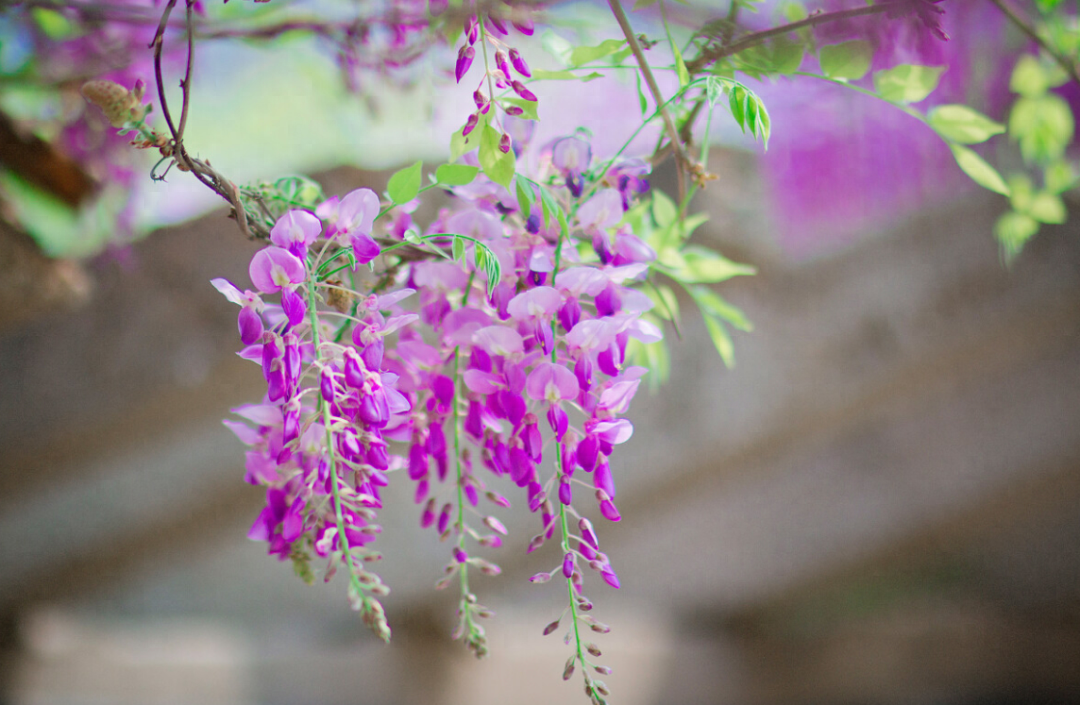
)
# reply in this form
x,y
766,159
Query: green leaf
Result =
x,y
764,123
544,75
907,83
529,106
642,101
786,55
1021,192
52,23
1059,177
1047,208
680,66
456,174
667,305
977,168
405,184
413,238
959,123
1043,125
702,266
712,302
457,248
737,105
556,46
721,340
663,209
1031,78
498,166
584,55
524,198
1013,230
848,61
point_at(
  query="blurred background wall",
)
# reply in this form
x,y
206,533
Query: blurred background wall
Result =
x,y
879,504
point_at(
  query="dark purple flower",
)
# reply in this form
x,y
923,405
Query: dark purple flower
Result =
x,y
294,307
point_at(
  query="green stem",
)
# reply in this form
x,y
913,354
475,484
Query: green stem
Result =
x,y
463,568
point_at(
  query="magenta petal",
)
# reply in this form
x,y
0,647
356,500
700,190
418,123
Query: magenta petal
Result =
x,y
365,249
551,382
603,480
293,523
568,565
294,307
609,511
250,324
274,268
263,527
296,228
610,578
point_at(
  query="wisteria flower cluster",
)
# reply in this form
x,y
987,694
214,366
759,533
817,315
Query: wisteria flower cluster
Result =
x,y
447,378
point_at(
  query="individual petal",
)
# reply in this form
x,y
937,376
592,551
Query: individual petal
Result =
x,y
364,247
550,382
295,231
499,340
294,306
614,431
592,334
229,291
482,382
602,210
539,302
356,214
274,268
616,398
571,155
250,324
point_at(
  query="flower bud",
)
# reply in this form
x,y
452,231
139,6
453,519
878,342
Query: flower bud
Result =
x,y
495,525
470,125
593,650
569,670
540,578
464,61
500,62
568,565
498,499
610,512
472,29
522,91
504,143
497,24
551,627
519,63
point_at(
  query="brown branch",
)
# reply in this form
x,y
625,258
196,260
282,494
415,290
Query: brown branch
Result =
x,y
1026,28
708,56
682,161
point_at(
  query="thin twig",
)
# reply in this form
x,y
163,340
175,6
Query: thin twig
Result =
x,y
1016,19
186,84
708,56
682,160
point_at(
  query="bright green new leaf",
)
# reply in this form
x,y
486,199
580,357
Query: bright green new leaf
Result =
x,y
642,101
720,339
980,172
556,46
413,238
456,174
583,55
541,74
457,249
667,305
1059,177
764,123
52,23
524,198
1043,125
848,61
1021,192
786,55
1047,208
1031,78
405,184
1013,230
959,123
680,66
710,301
498,165
702,266
907,83
663,208
528,106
